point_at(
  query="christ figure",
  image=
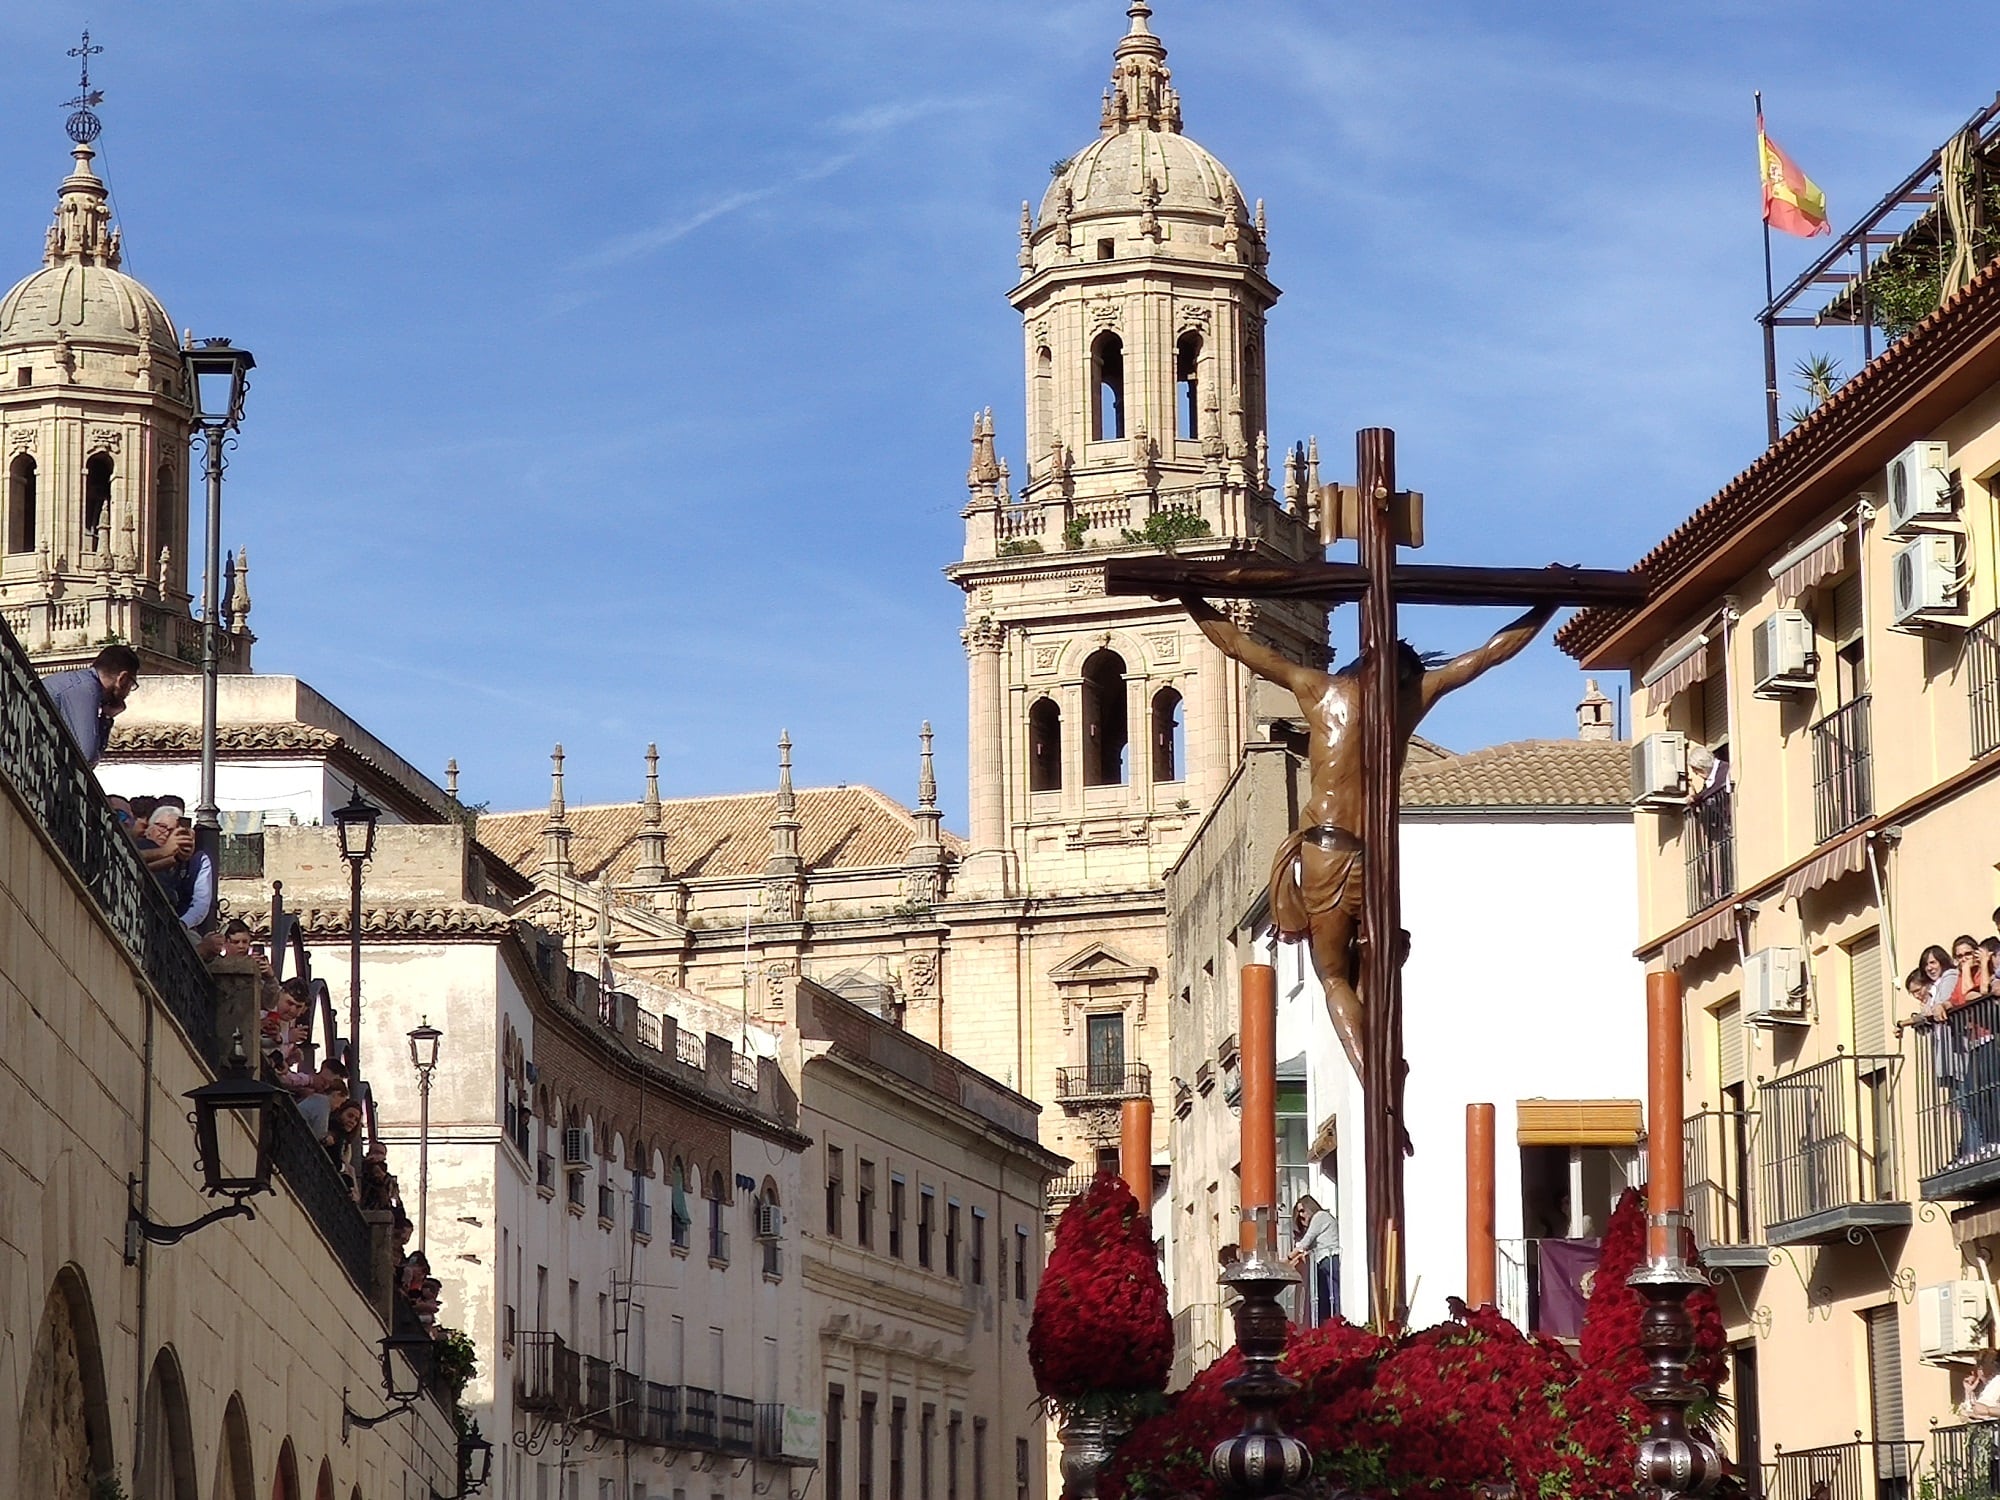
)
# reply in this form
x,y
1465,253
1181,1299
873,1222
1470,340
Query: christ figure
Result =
x,y
1316,879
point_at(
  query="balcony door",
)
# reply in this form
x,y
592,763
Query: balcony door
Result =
x,y
1885,1402
1749,1435
1104,1043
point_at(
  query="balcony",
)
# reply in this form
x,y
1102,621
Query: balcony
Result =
x,y
557,1381
1965,1461
1958,1103
1708,844
1982,670
1096,1083
1830,1148
1063,1189
549,1375
771,1437
1720,1148
1843,788
1845,1471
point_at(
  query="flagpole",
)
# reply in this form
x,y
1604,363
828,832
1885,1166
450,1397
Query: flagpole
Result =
x,y
1770,326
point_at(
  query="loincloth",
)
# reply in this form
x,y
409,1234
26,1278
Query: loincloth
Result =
x,y
1317,870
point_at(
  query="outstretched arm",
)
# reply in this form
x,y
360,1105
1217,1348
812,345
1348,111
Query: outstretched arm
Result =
x,y
1504,646
1232,642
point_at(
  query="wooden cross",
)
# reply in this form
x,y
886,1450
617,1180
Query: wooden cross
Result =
x,y
1382,518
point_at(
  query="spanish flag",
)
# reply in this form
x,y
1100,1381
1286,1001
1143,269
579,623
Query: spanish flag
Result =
x,y
1792,200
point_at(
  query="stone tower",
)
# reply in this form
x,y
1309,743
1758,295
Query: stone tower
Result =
x,y
1101,728
94,429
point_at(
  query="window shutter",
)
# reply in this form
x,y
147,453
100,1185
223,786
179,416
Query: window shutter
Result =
x,y
1729,1042
1847,611
1715,707
1864,985
1885,1375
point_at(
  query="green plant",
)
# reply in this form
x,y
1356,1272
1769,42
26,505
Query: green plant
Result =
x,y
107,1486
1073,533
1020,547
1164,528
1057,168
456,1362
1819,377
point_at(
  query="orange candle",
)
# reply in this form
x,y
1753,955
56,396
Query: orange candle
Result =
x,y
1135,1150
1257,1045
1666,1191
1482,1265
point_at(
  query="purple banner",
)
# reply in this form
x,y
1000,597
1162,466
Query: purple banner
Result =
x,y
1568,1270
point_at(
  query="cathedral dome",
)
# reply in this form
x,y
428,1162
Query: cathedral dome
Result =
x,y
80,295
1141,168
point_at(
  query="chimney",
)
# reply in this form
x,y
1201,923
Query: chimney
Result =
x,y
1593,714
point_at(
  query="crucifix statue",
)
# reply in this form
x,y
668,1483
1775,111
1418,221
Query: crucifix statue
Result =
x,y
1335,881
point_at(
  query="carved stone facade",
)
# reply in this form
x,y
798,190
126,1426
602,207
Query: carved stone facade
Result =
x,y
95,425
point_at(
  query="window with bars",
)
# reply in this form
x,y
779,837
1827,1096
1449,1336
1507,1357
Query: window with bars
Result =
x,y
836,1189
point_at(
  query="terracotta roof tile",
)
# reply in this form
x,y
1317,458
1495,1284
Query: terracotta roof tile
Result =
x,y
1525,773
716,838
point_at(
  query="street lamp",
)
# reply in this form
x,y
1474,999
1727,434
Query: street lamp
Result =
x,y
228,1169
218,375
419,1350
424,1053
356,820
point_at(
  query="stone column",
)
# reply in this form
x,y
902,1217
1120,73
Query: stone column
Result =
x,y
985,869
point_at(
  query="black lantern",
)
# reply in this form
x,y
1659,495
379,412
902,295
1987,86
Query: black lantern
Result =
x,y
229,1168
424,1048
418,1350
475,1461
218,375
357,819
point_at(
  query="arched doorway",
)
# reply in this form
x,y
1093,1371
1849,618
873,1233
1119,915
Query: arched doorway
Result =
x,y
285,1481
65,1426
166,1454
235,1469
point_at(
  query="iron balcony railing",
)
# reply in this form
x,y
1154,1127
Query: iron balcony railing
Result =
x,y
597,1394
1830,1139
1958,1101
698,1416
548,1375
1965,1461
1843,789
1720,1150
736,1421
1120,1080
597,1390
43,766
1708,843
1860,1470
1982,664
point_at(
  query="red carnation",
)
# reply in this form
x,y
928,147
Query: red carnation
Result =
x,y
1101,1326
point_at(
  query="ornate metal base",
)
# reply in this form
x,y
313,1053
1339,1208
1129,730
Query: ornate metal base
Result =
x,y
1670,1457
1261,1460
1087,1446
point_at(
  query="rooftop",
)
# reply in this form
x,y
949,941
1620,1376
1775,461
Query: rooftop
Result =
x,y
719,838
1524,773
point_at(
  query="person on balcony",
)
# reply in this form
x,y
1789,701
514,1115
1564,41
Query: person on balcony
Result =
x,y
1316,1251
1974,978
1932,1018
1982,1388
89,698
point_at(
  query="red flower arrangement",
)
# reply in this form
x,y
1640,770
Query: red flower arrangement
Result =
x,y
1101,1327
1446,1412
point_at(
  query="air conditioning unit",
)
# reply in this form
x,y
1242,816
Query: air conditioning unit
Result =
x,y
1952,1319
576,1146
1659,770
1921,489
1782,659
1925,587
770,1221
1774,987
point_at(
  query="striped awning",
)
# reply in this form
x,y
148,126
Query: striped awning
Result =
x,y
1818,557
1679,668
1718,927
1847,857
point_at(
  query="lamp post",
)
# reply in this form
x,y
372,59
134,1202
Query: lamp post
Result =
x,y
356,819
226,1173
424,1053
218,375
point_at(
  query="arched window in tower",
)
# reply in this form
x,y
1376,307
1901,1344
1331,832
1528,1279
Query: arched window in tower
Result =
x,y
21,505
1187,386
97,501
1045,399
1045,758
165,504
1169,736
1105,733
1253,388
1107,384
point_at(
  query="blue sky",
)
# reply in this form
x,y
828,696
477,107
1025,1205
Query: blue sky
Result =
x,y
616,361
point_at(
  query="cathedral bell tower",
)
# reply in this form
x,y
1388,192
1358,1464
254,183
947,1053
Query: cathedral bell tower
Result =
x,y
1102,728
94,430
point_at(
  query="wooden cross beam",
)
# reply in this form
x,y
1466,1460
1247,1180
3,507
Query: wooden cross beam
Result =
x,y
1379,583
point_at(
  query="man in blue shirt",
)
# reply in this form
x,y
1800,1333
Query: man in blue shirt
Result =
x,y
89,698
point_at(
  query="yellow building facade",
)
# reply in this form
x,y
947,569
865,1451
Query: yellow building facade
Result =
x,y
1817,726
